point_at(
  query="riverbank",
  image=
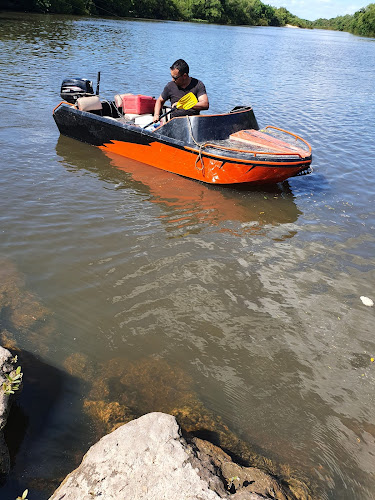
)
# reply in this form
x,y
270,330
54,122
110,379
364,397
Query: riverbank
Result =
x,y
361,23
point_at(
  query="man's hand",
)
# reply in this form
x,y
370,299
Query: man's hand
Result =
x,y
158,106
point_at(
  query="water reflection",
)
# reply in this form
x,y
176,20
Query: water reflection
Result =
x,y
36,29
187,204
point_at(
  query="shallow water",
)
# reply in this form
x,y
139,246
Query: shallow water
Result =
x,y
254,294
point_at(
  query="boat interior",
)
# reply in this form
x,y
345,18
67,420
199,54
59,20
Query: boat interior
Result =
x,y
236,130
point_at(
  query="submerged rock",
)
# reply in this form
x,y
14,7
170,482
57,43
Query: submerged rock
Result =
x,y
149,459
22,313
78,365
148,384
107,416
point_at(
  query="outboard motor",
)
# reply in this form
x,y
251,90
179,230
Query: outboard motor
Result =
x,y
73,88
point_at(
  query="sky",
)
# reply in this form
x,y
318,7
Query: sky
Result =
x,y
314,9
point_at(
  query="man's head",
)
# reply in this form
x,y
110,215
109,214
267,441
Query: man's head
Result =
x,y
180,71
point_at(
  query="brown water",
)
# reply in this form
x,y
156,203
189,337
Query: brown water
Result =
x,y
253,295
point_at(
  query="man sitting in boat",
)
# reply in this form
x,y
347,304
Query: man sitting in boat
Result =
x,y
181,85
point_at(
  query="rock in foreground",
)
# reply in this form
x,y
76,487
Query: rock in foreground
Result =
x,y
6,368
149,459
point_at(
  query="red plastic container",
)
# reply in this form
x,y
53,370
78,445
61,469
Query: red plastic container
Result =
x,y
138,104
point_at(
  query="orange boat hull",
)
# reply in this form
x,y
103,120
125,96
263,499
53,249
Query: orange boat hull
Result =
x,y
206,168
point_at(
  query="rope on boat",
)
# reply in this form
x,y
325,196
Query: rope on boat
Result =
x,y
200,146
121,114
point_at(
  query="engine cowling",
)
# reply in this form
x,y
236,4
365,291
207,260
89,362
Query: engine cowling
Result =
x,y
73,88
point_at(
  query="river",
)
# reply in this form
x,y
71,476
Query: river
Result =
x,y
253,295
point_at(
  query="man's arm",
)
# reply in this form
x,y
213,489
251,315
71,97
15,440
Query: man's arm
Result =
x,y
158,106
202,103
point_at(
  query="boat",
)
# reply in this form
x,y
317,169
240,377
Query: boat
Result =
x,y
226,148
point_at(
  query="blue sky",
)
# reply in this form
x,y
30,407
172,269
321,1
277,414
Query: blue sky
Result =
x,y
313,9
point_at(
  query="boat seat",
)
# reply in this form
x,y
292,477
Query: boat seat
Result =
x,y
91,103
119,101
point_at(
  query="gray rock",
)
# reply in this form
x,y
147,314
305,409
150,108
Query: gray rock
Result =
x,y
242,481
148,459
5,403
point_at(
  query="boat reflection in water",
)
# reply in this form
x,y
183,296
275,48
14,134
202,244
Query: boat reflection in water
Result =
x,y
187,204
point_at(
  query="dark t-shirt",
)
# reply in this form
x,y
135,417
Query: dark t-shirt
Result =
x,y
174,93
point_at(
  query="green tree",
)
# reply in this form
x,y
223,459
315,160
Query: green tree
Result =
x,y
233,12
156,9
282,15
209,10
364,21
123,8
79,7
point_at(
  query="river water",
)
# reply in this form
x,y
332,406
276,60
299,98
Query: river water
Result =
x,y
252,294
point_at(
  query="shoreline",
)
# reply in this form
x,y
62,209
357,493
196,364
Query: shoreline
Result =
x,y
134,437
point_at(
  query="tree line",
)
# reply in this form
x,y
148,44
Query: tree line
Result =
x,y
361,23
236,12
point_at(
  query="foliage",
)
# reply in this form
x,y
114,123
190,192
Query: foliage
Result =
x,y
208,10
361,23
237,12
13,382
364,21
24,495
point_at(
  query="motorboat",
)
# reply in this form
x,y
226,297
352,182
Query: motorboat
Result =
x,y
225,148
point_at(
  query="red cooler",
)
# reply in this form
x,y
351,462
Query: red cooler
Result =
x,y
138,104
